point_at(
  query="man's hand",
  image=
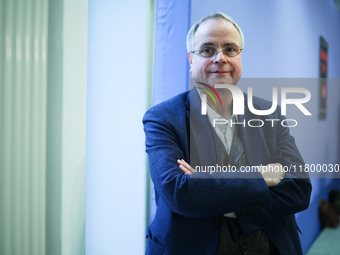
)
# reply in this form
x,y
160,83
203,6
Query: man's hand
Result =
x,y
272,174
185,167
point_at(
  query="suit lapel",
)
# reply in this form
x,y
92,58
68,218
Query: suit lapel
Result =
x,y
202,149
251,138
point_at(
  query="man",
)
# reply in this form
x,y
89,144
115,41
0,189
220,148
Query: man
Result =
x,y
201,211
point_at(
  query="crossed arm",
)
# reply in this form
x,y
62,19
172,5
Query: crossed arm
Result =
x,y
271,173
212,195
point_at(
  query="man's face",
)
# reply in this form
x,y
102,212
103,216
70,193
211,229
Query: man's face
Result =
x,y
218,68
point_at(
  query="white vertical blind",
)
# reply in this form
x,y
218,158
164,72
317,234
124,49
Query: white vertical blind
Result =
x,y
23,73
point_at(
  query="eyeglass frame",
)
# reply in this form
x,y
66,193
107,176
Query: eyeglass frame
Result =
x,y
199,52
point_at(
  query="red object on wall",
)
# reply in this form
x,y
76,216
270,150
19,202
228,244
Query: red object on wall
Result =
x,y
323,78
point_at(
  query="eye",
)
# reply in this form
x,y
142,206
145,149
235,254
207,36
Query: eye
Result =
x,y
231,50
207,51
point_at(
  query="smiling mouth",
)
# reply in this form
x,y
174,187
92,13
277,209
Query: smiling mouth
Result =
x,y
221,71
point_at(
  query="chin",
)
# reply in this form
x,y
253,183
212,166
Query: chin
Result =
x,y
223,80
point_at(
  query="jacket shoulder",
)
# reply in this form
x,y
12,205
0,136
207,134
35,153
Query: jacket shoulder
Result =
x,y
172,107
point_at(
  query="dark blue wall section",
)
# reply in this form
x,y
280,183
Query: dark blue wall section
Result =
x,y
170,62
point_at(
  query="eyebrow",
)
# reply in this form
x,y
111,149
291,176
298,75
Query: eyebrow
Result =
x,y
207,44
213,44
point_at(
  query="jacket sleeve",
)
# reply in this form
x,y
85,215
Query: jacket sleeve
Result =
x,y
290,196
205,195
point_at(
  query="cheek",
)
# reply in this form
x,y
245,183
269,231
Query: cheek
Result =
x,y
202,66
238,65
199,67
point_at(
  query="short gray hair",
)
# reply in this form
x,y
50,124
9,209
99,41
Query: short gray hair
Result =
x,y
213,15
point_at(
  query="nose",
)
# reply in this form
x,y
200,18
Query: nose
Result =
x,y
220,57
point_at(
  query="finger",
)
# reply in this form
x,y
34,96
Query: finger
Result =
x,y
181,163
184,170
188,166
185,163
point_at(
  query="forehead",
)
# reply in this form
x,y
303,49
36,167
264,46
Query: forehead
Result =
x,y
216,31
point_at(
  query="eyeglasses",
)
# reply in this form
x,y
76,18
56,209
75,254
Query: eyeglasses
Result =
x,y
230,50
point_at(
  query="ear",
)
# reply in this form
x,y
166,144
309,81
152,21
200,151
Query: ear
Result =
x,y
190,60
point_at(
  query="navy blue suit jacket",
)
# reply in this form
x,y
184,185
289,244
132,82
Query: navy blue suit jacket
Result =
x,y
189,207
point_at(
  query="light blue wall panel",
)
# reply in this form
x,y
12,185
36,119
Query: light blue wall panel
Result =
x,y
117,100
